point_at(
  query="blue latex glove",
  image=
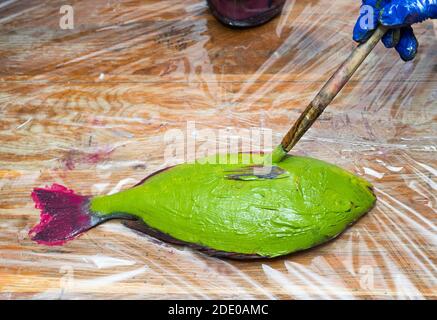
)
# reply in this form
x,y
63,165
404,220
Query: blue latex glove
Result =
x,y
399,14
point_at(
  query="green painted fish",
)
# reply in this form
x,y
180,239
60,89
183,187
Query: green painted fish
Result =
x,y
218,208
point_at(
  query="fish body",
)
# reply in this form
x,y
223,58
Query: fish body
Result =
x,y
308,203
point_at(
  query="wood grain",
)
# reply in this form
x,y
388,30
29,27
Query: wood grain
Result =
x,y
89,108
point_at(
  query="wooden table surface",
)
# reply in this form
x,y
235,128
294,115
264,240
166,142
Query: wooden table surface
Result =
x,y
89,108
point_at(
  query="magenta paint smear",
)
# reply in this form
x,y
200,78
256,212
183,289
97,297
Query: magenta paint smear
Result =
x,y
64,215
73,157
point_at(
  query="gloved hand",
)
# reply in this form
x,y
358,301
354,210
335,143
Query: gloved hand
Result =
x,y
400,14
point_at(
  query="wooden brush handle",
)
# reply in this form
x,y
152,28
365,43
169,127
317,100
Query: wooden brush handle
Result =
x,y
330,90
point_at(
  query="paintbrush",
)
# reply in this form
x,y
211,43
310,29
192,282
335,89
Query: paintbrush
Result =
x,y
328,92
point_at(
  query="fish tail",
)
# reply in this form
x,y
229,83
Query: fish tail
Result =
x,y
64,215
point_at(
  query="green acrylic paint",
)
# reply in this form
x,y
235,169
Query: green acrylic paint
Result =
x,y
308,203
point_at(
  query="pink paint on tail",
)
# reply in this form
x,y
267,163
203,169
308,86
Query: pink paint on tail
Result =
x,y
64,215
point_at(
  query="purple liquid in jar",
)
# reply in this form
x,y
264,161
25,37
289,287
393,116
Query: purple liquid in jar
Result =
x,y
245,13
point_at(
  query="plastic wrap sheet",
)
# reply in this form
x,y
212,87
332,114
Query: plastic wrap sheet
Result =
x,y
89,107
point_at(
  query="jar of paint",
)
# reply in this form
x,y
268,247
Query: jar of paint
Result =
x,y
245,13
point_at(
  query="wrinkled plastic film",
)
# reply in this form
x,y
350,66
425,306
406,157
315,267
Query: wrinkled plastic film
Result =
x,y
91,107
